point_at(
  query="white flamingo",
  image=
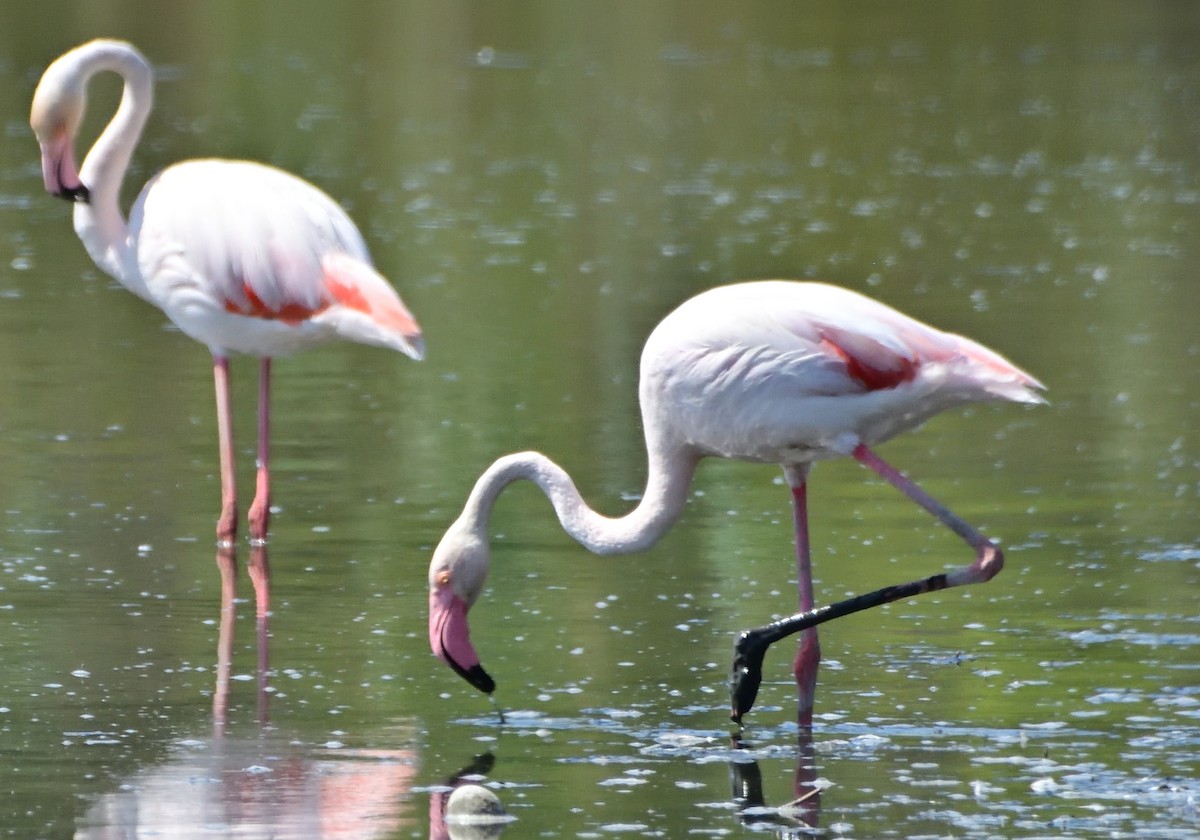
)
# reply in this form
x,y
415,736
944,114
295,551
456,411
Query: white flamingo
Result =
x,y
771,372
241,256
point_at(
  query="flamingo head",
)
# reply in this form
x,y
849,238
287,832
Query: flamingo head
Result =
x,y
456,577
55,116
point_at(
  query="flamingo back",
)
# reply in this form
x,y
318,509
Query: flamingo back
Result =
x,y
789,372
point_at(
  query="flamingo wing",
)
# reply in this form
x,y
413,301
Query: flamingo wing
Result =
x,y
780,371
876,348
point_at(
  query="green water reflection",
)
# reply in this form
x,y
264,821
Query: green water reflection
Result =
x,y
544,181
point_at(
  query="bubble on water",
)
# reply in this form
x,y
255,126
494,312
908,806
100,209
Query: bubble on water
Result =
x,y
1045,786
621,781
475,805
1175,553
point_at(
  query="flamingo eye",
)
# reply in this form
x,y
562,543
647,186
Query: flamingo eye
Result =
x,y
442,577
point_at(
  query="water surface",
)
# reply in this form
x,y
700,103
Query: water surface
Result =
x,y
543,182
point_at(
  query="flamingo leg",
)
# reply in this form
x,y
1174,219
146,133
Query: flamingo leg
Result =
x,y
751,645
989,560
227,522
808,656
260,508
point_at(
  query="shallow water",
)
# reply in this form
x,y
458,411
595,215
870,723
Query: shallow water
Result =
x,y
543,183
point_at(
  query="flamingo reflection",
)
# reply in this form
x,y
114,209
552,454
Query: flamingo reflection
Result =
x,y
256,781
803,811
439,829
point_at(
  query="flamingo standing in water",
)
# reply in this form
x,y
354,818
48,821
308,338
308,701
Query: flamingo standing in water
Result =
x,y
771,372
242,257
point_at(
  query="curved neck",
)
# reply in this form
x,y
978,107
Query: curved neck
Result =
x,y
99,222
666,491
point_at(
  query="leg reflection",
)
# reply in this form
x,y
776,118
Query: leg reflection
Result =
x,y
227,565
260,577
745,778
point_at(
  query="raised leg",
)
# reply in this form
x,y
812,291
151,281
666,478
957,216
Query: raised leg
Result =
x,y
751,645
808,655
260,509
989,560
227,522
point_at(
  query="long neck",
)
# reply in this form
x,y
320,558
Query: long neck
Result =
x,y
666,490
99,222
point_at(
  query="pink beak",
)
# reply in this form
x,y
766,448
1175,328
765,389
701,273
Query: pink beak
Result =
x,y
450,638
59,173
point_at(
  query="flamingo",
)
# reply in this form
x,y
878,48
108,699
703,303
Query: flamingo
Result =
x,y
241,256
769,371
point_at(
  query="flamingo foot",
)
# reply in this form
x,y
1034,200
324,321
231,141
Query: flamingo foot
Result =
x,y
227,525
259,516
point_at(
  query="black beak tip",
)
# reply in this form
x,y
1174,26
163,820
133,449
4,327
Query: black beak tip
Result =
x,y
475,675
78,195
479,678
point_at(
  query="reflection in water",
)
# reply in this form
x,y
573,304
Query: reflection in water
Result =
x,y
260,576
258,786
262,784
745,778
439,829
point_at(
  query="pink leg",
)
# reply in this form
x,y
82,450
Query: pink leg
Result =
x,y
989,560
227,523
808,657
260,509
751,645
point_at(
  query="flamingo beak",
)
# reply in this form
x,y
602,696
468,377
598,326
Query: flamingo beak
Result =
x,y
450,638
59,173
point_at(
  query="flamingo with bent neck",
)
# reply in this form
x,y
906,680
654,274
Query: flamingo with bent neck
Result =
x,y
241,256
771,372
